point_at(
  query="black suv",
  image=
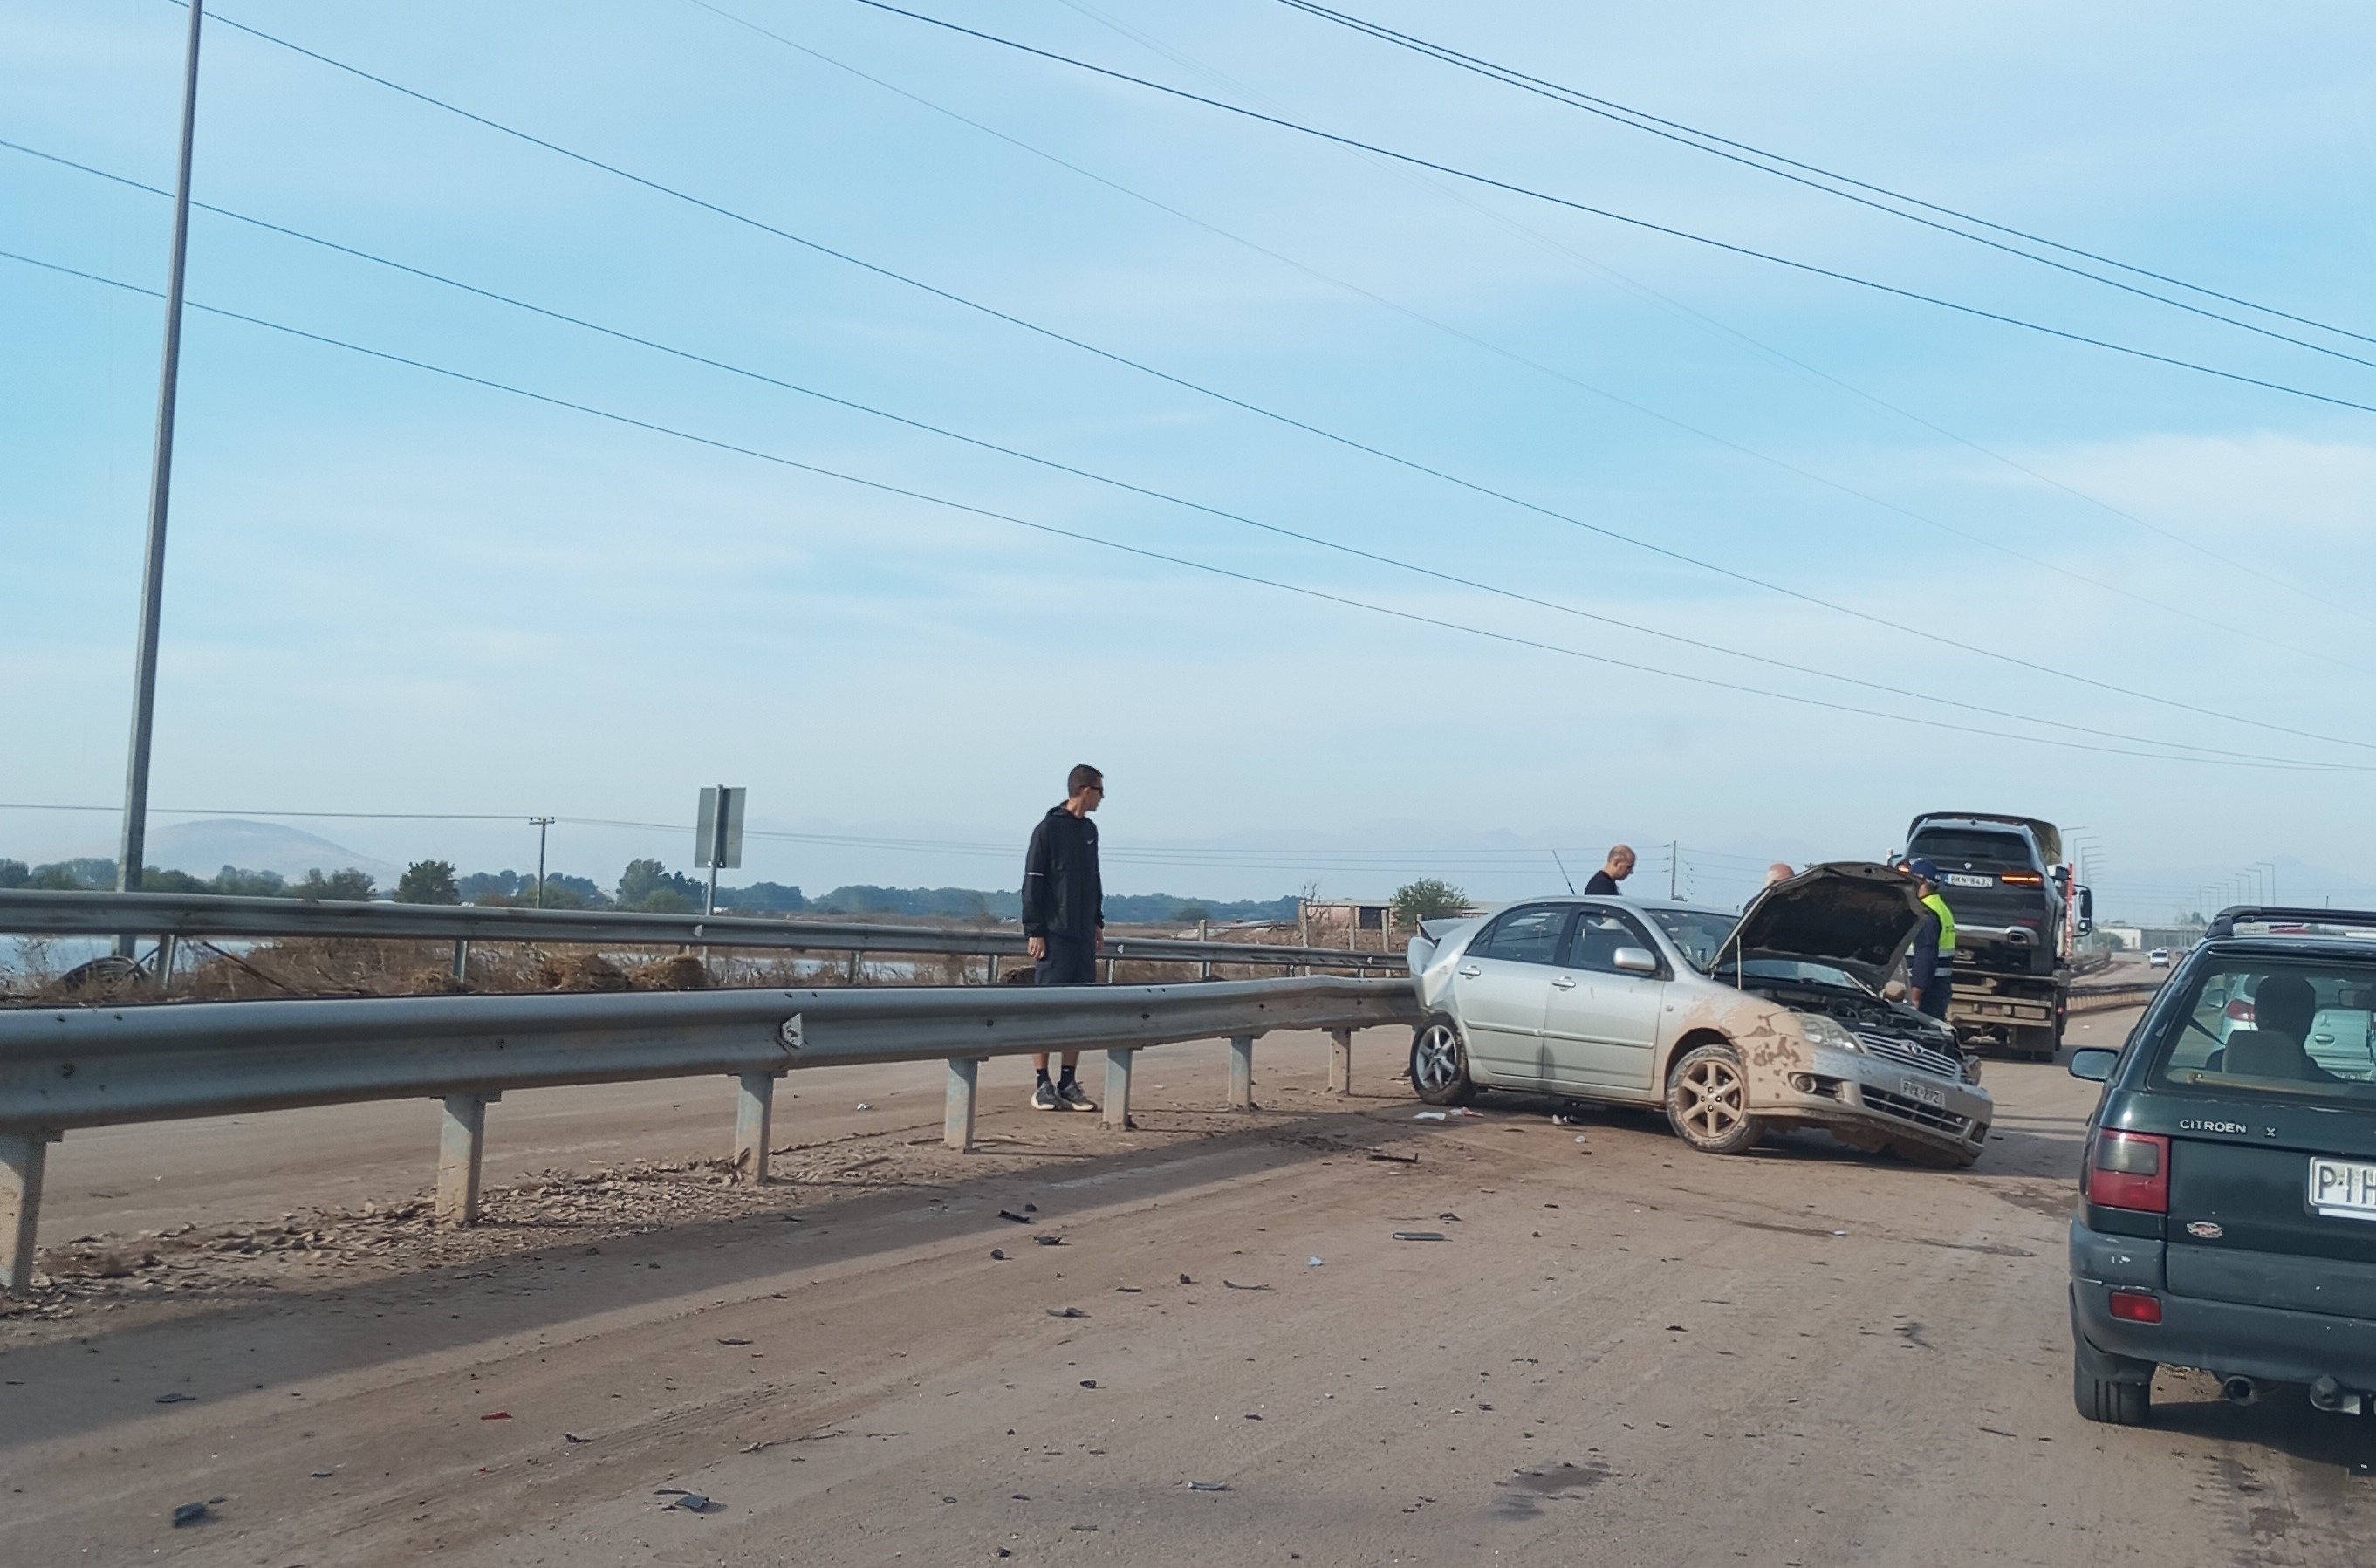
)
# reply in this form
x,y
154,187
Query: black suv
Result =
x,y
2227,1214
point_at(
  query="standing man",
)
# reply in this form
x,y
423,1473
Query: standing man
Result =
x,y
1930,967
1614,869
1064,915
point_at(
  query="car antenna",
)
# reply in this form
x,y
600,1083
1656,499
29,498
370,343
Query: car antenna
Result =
x,y
1564,875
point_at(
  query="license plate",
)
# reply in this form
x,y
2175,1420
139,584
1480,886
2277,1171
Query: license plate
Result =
x,y
2343,1189
1935,1096
1957,879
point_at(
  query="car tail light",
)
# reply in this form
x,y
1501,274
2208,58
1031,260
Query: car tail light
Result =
x,y
2135,1306
2021,879
2129,1170
2240,1011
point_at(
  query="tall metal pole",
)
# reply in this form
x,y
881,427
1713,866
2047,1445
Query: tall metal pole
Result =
x,y
541,824
1674,867
134,847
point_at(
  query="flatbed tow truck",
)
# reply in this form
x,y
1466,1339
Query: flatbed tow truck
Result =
x,y
2019,915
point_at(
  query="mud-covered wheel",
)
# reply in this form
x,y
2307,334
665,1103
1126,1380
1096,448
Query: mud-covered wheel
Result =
x,y
1438,1064
1707,1102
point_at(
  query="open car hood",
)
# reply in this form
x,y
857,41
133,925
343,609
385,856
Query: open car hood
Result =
x,y
1854,915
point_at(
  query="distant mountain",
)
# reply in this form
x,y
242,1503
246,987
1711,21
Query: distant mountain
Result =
x,y
203,849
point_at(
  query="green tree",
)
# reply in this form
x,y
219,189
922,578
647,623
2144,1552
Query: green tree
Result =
x,y
651,886
1189,914
15,874
251,884
354,886
428,882
1428,898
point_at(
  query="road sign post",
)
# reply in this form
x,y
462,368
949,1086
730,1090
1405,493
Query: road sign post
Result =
x,y
718,835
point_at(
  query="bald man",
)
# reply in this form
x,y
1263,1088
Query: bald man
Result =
x,y
1614,869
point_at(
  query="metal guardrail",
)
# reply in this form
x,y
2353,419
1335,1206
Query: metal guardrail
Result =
x,y
42,912
67,1068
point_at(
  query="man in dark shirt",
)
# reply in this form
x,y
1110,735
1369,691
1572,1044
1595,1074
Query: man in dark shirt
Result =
x,y
1614,869
1064,916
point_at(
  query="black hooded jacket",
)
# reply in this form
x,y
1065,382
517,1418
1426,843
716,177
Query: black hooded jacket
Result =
x,y
1063,893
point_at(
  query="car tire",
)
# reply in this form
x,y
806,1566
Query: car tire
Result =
x,y
1438,1064
1707,1102
2114,1390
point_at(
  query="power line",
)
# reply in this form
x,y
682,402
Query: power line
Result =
x,y
1497,349
1144,368
1325,596
1057,466
1644,223
1748,156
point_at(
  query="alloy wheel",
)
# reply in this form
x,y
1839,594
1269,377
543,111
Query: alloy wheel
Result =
x,y
1715,1101
1435,1066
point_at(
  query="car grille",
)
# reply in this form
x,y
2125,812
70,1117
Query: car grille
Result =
x,y
1914,1110
1906,1053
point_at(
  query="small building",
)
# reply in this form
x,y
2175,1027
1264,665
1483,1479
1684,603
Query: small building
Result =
x,y
1347,923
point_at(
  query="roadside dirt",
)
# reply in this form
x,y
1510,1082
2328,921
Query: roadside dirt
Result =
x,y
1619,1353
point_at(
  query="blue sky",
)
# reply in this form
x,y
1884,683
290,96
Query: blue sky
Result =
x,y
393,591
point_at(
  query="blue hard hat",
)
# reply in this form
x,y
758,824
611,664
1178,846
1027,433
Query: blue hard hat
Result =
x,y
1923,869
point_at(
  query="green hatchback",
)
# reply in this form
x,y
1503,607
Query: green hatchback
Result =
x,y
2227,1216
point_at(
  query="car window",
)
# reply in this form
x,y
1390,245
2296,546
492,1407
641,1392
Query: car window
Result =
x,y
1599,934
1982,851
1524,936
2297,1029
1699,932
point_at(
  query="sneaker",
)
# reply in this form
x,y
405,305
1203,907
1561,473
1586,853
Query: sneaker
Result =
x,y
1074,1096
1044,1097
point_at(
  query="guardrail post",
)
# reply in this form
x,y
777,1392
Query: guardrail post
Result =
x,y
1340,1061
754,1124
22,1157
1116,1110
168,949
462,959
461,1143
1241,1073
956,1121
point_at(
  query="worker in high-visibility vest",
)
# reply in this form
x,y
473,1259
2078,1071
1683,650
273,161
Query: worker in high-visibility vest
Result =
x,y
1930,967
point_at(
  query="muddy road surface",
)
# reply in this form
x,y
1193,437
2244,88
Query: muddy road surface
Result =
x,y
1201,1342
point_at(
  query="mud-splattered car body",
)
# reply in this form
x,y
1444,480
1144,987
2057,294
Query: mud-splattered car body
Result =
x,y
1739,1025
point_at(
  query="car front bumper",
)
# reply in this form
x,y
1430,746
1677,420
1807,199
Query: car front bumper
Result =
x,y
2273,1343
1870,1095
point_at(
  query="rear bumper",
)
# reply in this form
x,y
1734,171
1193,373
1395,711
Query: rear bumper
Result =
x,y
2229,1337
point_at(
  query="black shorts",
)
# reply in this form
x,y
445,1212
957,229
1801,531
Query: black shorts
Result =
x,y
1071,960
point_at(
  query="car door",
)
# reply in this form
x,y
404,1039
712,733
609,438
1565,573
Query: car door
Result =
x,y
1601,1024
1500,988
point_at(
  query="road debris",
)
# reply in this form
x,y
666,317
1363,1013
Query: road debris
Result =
x,y
864,1106
496,1416
189,1514
573,1437
1312,1263
1430,1116
1234,1285
177,1398
1128,1290
690,1502
1418,1236
734,1341
1208,1486
1088,1383
1010,1214
1185,1280
1050,1240
998,1254
1066,1311
1394,1158
321,1475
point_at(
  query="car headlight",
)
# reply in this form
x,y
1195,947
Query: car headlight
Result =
x,y
1822,1030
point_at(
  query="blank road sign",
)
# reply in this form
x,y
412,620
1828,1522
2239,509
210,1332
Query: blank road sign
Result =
x,y
718,835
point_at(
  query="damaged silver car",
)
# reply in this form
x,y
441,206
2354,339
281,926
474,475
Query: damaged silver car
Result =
x,y
1739,1025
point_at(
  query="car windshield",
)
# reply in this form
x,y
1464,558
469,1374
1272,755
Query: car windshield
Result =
x,y
1696,933
1801,971
2299,1028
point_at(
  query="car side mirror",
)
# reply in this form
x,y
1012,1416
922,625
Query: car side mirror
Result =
x,y
1635,960
2087,911
2094,1064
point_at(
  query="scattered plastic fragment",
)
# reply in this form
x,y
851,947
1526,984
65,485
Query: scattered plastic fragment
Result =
x,y
1396,1158
1030,1209
1429,1116
1080,1526
177,1398
998,1254
1234,1285
1208,1486
1088,1383
1185,1280
1312,1263
321,1475
734,1342
1677,1328
1066,1311
1127,1289
573,1437
1050,1240
1010,1214
189,1514
1447,1214
1839,1232
864,1106
691,1501
1579,1137
1418,1236
496,1416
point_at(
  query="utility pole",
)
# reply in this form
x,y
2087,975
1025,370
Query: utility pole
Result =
x,y
541,824
1674,867
134,851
